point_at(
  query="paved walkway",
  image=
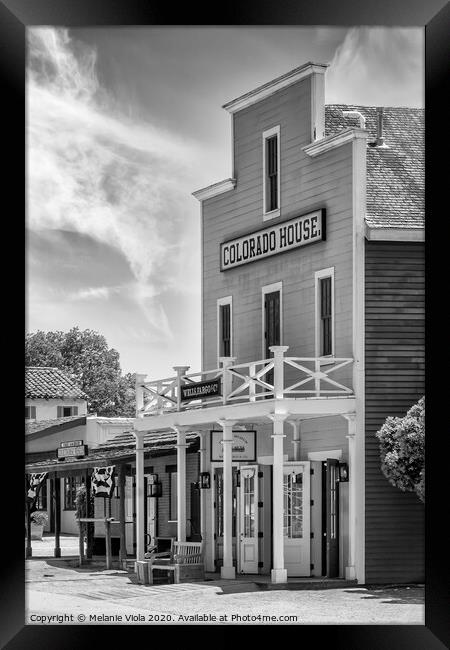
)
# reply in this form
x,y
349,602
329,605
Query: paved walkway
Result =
x,y
59,592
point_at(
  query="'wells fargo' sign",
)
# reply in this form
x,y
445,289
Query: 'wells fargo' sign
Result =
x,y
279,238
200,389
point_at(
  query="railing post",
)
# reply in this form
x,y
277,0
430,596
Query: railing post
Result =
x,y
139,380
227,379
180,370
252,385
278,370
317,379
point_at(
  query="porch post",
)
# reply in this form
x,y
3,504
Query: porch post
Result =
x,y
296,440
139,380
202,451
350,570
121,490
57,506
140,496
227,570
181,483
279,573
278,369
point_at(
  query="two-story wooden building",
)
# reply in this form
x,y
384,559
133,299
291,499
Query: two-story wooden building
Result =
x,y
312,334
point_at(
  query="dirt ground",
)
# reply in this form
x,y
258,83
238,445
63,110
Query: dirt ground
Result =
x,y
58,592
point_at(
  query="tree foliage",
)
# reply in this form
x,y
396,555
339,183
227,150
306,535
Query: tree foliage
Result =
x,y
402,450
86,357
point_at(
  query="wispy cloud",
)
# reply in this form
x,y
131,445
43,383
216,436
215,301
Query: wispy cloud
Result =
x,y
374,62
93,170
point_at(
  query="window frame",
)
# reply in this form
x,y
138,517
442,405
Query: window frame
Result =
x,y
77,482
227,300
171,470
271,214
31,410
318,276
270,288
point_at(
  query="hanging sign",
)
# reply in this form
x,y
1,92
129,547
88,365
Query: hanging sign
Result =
x,y
282,237
70,450
103,481
200,389
243,447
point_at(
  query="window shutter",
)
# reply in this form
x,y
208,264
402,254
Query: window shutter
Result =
x,y
75,410
59,412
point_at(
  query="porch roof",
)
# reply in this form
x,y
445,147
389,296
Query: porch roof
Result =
x,y
120,449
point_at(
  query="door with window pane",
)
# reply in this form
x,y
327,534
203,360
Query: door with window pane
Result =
x,y
218,514
248,506
296,518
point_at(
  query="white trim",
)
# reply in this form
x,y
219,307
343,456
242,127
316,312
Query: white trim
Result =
x,y
333,141
323,455
268,134
394,234
269,288
268,89
227,300
319,275
215,189
359,180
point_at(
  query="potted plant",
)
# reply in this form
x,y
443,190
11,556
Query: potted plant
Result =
x,y
38,520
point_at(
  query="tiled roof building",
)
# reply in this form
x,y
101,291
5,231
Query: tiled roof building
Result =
x,y
50,383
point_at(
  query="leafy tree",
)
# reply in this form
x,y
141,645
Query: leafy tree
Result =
x,y
86,357
402,450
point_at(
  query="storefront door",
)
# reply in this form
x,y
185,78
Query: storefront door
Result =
x,y
248,520
296,520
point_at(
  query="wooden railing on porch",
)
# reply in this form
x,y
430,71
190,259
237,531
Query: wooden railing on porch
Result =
x,y
279,377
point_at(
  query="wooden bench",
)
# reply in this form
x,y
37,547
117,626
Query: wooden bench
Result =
x,y
185,561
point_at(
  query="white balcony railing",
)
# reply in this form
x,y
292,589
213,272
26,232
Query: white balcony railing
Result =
x,y
279,377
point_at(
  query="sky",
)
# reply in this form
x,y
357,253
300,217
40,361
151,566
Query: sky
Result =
x,y
123,124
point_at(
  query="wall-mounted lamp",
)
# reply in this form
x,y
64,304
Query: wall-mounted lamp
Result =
x,y
205,480
343,472
154,490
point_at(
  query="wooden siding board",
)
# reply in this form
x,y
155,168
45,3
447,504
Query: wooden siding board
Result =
x,y
395,379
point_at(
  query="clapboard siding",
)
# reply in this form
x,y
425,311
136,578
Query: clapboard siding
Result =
x,y
306,184
394,359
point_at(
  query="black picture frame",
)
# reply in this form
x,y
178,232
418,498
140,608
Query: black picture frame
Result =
x,y
433,15
235,460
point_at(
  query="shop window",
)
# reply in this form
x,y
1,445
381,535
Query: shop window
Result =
x,y
293,506
224,326
30,412
41,499
173,499
325,313
271,170
71,485
66,411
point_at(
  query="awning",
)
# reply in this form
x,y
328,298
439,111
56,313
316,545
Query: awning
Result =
x,y
120,449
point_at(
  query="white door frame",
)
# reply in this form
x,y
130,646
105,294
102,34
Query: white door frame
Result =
x,y
239,528
214,466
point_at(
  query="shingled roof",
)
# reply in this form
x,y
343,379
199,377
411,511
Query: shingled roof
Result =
x,y
50,383
395,172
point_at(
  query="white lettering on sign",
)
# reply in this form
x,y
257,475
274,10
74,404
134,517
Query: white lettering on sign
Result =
x,y
65,452
282,237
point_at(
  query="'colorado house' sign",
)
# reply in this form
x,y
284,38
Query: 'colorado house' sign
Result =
x,y
275,239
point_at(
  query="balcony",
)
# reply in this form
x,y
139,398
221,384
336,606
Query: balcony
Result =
x,y
278,378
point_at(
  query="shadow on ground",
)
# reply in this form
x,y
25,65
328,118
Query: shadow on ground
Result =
x,y
392,595
93,567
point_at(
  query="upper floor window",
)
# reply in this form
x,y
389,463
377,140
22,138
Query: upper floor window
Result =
x,y
324,281
224,326
271,170
30,412
67,411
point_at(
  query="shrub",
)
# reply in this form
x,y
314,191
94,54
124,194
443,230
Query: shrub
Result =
x,y
402,450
